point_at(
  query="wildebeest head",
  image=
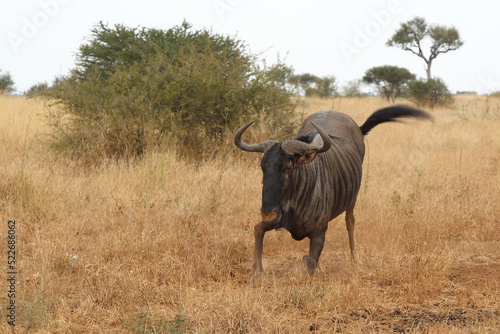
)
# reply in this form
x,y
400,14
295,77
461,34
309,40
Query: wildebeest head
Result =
x,y
279,161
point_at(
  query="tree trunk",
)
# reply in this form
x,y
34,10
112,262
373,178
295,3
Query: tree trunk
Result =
x,y
428,70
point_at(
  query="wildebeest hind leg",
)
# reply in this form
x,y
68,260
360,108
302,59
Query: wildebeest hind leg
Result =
x,y
315,248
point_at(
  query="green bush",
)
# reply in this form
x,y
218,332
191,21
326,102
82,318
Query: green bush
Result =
x,y
6,83
37,90
308,84
430,93
353,89
136,88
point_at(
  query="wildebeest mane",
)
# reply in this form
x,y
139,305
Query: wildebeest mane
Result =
x,y
307,138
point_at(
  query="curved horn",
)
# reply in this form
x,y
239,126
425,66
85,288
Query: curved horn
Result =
x,y
262,147
293,147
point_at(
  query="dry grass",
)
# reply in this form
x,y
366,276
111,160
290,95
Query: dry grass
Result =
x,y
161,245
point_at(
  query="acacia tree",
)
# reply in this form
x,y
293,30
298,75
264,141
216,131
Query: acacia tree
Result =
x,y
412,34
389,80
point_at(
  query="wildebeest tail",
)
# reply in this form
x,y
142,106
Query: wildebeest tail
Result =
x,y
392,114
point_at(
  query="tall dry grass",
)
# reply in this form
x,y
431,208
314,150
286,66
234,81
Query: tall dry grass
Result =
x,y
162,245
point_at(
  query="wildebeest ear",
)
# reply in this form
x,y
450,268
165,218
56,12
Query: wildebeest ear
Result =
x,y
305,158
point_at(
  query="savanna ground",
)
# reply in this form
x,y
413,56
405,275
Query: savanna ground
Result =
x,y
162,245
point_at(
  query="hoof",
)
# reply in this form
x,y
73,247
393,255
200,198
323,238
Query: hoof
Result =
x,y
353,257
310,264
256,278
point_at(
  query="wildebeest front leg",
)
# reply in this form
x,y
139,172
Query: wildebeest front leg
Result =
x,y
257,269
315,248
349,223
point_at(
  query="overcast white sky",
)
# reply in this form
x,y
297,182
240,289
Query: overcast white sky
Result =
x,y
39,38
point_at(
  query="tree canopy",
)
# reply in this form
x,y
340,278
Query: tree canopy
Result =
x,y
389,80
412,35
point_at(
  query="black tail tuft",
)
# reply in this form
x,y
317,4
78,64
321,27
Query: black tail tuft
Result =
x,y
392,114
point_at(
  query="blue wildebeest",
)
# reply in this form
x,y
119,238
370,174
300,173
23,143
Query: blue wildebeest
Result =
x,y
315,177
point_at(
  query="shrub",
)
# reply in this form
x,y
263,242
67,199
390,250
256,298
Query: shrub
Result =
x,y
39,89
431,93
6,83
353,89
139,88
312,85
326,86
